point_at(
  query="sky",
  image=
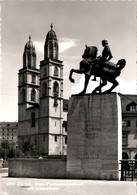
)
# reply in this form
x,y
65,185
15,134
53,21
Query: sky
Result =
x,y
76,23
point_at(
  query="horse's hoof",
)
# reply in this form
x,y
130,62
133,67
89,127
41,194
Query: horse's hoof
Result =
x,y
94,92
71,80
107,91
82,92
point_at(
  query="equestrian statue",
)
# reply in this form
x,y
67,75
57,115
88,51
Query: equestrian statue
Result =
x,y
98,67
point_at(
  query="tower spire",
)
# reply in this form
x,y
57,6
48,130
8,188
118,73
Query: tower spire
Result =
x,y
51,26
29,37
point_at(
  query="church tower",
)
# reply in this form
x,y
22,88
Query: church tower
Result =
x,y
29,77
51,98
28,94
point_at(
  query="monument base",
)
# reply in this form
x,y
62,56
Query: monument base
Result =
x,y
94,137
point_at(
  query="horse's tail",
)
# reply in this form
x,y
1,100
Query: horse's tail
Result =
x,y
120,64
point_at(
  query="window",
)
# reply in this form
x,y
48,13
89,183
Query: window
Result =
x,y
133,108
33,119
29,60
136,160
44,89
124,139
56,72
23,95
33,79
55,138
66,140
65,125
44,138
124,155
56,89
45,71
23,79
33,95
126,123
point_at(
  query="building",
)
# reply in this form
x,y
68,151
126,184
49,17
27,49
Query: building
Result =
x,y
42,111
129,126
9,132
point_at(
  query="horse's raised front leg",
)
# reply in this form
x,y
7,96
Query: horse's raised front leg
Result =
x,y
104,82
87,77
71,73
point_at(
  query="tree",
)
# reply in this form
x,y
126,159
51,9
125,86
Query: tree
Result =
x,y
9,150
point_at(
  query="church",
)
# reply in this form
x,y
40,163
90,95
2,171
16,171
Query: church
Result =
x,y
42,111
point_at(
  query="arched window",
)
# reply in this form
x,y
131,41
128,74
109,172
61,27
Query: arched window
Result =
x,y
29,60
55,89
45,71
23,95
65,139
56,72
33,79
33,120
33,60
44,89
124,155
23,79
33,95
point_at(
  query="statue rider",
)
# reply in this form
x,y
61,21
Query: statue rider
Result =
x,y
106,55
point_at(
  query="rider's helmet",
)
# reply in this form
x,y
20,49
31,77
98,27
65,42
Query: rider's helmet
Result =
x,y
104,42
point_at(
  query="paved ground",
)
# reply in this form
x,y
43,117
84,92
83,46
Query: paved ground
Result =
x,y
31,186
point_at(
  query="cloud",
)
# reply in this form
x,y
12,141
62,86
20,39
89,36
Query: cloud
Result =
x,y
67,43
39,45
64,44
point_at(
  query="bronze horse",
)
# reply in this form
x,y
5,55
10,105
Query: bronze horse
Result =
x,y
91,65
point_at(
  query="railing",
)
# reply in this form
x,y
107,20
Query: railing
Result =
x,y
128,170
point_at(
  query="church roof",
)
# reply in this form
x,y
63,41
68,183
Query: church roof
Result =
x,y
51,34
29,45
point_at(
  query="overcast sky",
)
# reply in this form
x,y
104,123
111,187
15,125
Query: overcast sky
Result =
x,y
76,23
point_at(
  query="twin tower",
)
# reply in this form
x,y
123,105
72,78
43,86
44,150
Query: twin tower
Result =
x,y
42,111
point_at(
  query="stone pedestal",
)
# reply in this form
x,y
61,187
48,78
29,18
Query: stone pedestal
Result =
x,y
94,137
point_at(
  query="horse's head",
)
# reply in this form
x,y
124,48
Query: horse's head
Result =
x,y
90,52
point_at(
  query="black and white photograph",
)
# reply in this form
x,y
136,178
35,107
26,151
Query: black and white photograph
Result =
x,y
68,97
